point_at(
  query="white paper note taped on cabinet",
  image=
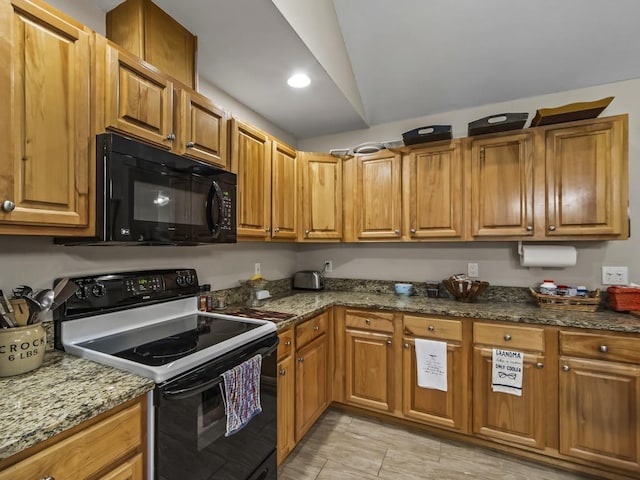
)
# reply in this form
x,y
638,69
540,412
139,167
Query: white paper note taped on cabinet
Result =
x,y
431,362
507,371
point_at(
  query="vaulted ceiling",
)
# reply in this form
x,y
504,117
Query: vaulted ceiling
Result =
x,y
375,61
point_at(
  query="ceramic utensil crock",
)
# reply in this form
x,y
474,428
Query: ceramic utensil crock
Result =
x,y
21,349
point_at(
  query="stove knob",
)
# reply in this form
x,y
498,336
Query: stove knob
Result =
x,y
180,280
190,279
83,292
98,290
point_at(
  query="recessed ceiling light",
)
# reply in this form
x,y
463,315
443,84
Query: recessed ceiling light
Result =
x,y
299,80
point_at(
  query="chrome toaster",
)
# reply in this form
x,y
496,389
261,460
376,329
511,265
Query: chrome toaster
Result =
x,y
308,280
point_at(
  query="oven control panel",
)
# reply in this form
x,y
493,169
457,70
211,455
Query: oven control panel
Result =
x,y
115,291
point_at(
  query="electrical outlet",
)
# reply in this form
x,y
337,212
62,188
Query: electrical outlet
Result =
x,y
328,266
472,270
256,269
615,275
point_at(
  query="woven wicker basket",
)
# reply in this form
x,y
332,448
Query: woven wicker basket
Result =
x,y
464,291
623,299
559,302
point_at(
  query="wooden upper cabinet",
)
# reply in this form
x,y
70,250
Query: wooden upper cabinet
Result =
x,y
502,185
377,206
202,129
138,98
45,171
586,179
435,192
321,194
251,161
142,28
284,206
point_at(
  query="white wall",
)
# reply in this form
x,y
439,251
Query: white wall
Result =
x,y
497,260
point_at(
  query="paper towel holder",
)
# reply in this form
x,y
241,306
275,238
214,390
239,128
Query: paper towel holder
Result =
x,y
552,264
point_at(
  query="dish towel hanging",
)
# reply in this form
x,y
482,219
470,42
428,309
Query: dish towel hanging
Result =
x,y
431,363
241,394
507,371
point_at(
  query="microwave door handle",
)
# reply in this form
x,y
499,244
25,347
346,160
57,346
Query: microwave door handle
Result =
x,y
215,192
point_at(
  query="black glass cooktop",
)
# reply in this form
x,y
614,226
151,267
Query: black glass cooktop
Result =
x,y
162,343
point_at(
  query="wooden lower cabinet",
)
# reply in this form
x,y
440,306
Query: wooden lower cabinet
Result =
x,y
110,447
286,395
312,392
369,359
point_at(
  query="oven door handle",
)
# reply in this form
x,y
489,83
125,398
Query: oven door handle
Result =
x,y
199,387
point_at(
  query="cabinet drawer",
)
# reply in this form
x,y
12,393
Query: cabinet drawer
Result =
x,y
433,328
311,329
87,452
603,347
509,336
378,321
285,347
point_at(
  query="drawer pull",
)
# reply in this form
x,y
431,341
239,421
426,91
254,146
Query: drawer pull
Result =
x,y
539,365
316,328
367,321
566,368
287,343
47,478
431,328
283,372
406,345
8,206
507,337
603,348
171,137
301,359
388,342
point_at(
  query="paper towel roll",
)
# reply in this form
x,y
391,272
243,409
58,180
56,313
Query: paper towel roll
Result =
x,y
548,256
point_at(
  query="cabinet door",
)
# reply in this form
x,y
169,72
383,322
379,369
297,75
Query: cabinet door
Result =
x,y
284,207
45,167
600,412
509,418
378,195
502,186
251,161
312,394
202,129
435,192
586,169
286,411
138,99
434,407
130,470
369,369
321,191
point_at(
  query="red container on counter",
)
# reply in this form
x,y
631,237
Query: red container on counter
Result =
x,y
623,299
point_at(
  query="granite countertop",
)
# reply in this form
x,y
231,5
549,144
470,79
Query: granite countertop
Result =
x,y
64,392
307,304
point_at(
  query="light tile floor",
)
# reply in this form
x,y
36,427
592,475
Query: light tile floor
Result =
x,y
342,446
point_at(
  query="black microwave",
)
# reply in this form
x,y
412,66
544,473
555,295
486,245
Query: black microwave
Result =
x,y
148,196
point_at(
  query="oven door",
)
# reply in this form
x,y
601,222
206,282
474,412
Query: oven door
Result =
x,y
190,423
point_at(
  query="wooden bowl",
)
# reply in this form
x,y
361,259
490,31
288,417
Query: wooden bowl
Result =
x,y
464,290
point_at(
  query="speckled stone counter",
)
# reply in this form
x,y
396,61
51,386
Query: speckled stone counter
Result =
x,y
307,304
64,392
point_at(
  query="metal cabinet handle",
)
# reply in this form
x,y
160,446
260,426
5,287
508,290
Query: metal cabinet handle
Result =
x,y
539,365
413,230
171,137
47,478
301,359
566,368
406,345
8,206
529,228
552,228
507,337
397,232
603,348
276,230
367,321
268,229
190,145
431,328
316,328
306,233
283,372
287,343
388,342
